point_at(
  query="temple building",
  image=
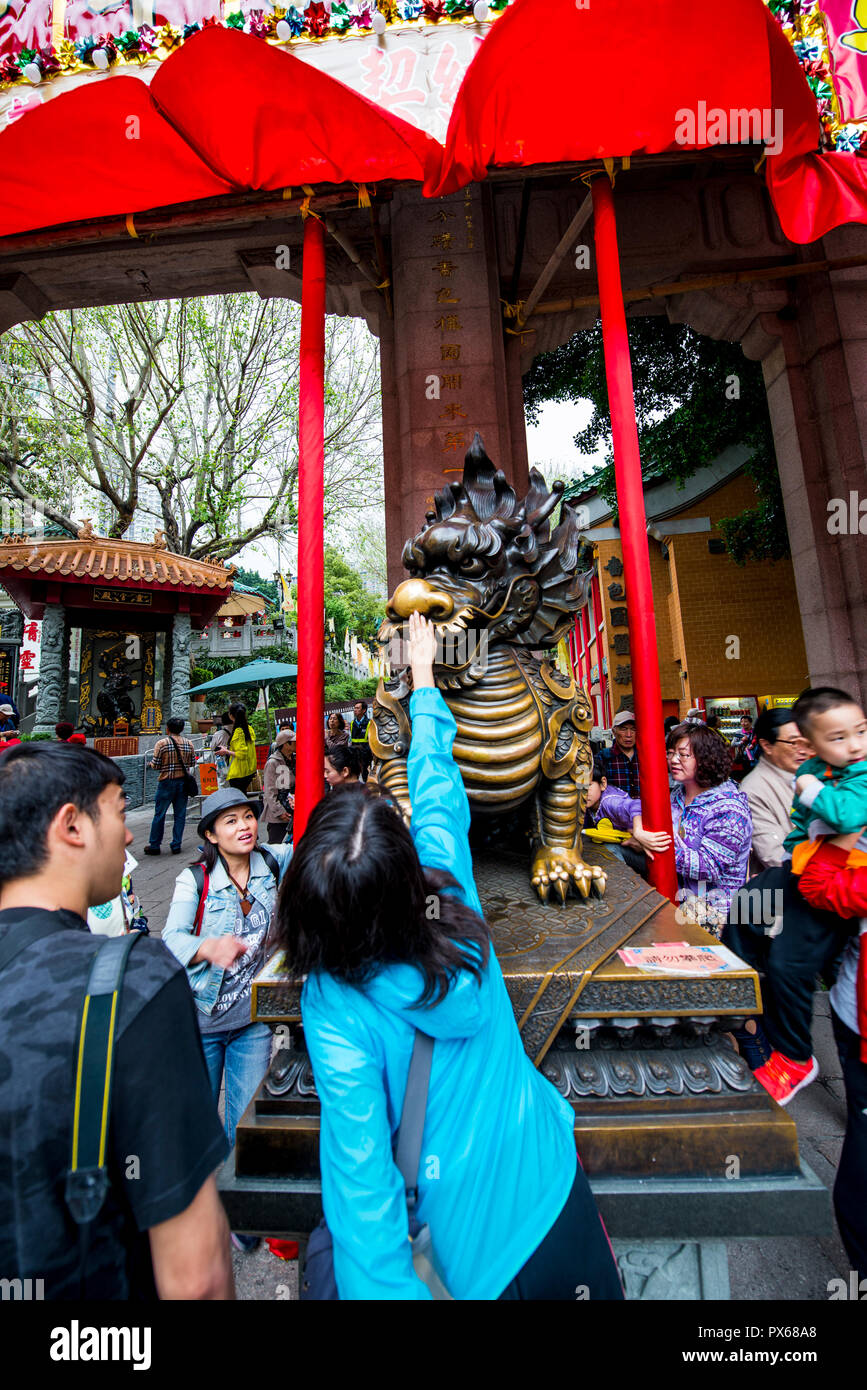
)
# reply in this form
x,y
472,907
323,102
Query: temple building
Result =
x,y
728,657
116,619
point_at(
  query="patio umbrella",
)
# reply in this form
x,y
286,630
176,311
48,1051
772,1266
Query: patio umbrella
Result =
x,y
239,604
261,673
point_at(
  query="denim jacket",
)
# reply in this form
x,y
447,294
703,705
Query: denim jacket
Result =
x,y
218,918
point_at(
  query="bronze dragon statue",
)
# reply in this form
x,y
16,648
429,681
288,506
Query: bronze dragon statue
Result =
x,y
500,588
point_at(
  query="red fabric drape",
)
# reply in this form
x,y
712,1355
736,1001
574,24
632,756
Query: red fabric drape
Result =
x,y
613,83
225,113
310,751
262,118
73,159
554,82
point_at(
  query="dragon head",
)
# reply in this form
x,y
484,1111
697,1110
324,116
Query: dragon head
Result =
x,y
487,568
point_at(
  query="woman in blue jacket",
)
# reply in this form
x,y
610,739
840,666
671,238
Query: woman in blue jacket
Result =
x,y
387,926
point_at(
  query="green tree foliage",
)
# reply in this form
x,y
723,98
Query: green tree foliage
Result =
x,y
340,687
182,415
353,608
694,397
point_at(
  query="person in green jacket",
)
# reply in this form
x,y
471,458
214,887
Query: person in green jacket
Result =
x,y
242,746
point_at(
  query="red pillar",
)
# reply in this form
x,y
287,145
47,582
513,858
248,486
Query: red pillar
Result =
x,y
310,750
655,800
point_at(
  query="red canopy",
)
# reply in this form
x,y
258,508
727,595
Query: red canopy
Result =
x,y
224,114
555,82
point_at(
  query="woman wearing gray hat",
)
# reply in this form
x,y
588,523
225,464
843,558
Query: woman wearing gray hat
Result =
x,y
218,926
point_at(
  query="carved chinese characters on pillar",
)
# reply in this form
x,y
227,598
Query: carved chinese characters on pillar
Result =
x,y
618,617
447,241
616,591
614,567
468,218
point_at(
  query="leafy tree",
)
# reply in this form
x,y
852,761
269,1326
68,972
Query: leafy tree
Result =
x,y
182,415
352,607
342,687
687,413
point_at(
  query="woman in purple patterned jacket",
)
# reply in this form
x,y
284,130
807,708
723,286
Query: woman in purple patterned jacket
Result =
x,y
712,825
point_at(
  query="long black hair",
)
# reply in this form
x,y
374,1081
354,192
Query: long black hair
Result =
x,y
356,898
345,756
238,716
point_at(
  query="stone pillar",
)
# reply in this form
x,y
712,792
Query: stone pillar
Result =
x,y
179,699
815,368
51,690
443,362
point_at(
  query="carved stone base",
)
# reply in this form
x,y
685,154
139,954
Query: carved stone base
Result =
x,y
672,1270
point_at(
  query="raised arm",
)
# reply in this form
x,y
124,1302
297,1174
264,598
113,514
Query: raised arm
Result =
x,y
843,807
440,809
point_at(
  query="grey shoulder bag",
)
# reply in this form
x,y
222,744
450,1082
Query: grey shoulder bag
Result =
x,y
317,1279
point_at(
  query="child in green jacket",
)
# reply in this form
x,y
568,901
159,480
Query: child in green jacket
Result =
x,y
830,807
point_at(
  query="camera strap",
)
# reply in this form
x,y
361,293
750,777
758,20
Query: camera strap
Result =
x,y
87,1178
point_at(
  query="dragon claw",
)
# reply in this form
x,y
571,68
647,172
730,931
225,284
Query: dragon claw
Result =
x,y
556,870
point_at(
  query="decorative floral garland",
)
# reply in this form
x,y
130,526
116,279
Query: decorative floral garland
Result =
x,y
802,21
317,21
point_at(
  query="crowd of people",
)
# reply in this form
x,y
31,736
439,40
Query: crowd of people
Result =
x,y
776,866
510,1210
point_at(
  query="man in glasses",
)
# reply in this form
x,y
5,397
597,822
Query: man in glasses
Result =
x,y
770,786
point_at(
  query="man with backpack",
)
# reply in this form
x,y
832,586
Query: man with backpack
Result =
x,y
131,1210
172,758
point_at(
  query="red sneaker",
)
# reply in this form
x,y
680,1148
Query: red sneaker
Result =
x,y
283,1249
782,1078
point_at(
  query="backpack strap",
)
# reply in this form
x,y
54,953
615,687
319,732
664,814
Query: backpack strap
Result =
x,y
87,1178
202,879
272,863
409,1136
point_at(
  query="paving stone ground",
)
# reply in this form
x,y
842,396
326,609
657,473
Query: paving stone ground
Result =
x,y
786,1268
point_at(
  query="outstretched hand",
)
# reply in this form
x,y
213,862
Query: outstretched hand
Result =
x,y
421,645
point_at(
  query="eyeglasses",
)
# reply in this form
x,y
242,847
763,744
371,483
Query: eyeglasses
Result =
x,y
795,742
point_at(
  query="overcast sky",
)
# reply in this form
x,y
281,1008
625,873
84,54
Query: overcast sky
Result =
x,y
550,443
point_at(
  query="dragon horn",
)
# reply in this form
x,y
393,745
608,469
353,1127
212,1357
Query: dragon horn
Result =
x,y
478,480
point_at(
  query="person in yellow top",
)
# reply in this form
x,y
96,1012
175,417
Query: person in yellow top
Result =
x,y
242,746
